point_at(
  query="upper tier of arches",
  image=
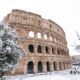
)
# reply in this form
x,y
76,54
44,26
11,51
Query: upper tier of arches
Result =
x,y
35,20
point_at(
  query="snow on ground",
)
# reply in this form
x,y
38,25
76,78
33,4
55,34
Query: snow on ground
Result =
x,y
57,75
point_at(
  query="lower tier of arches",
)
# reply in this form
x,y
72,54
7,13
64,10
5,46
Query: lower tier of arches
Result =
x,y
41,67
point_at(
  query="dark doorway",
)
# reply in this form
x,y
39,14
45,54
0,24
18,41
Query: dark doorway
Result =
x,y
39,49
55,66
53,50
46,49
48,66
31,48
30,67
60,66
39,67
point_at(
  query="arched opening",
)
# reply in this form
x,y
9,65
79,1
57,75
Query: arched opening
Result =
x,y
53,50
39,35
39,49
39,66
31,48
51,38
45,36
55,66
48,66
31,34
58,51
60,66
46,49
30,67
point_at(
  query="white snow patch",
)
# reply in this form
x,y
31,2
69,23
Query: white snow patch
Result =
x,y
57,75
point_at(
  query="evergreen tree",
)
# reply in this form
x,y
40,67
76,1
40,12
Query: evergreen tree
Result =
x,y
10,51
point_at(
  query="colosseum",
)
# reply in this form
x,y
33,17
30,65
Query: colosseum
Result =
x,y
43,41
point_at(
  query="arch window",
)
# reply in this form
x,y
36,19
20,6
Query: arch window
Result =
x,y
30,67
31,34
31,48
45,36
39,66
39,35
48,66
58,51
46,49
39,49
60,65
53,50
55,66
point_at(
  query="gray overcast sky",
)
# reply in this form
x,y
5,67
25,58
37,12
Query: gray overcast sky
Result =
x,y
64,12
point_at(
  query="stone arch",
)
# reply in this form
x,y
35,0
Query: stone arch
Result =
x,y
55,66
60,66
58,51
30,67
31,34
48,66
39,66
46,49
45,36
39,35
53,50
39,49
31,48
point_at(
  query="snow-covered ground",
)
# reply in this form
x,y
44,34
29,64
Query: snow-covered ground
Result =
x,y
58,75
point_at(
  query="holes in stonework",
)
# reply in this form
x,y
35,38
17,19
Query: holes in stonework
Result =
x,y
39,35
31,34
46,49
30,67
48,66
39,49
55,66
39,66
53,52
45,36
31,48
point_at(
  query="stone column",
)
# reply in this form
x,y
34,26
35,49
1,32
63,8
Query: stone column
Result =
x,y
57,65
65,65
44,67
51,67
35,68
55,50
35,35
62,65
25,69
42,36
50,49
35,48
43,49
27,33
27,50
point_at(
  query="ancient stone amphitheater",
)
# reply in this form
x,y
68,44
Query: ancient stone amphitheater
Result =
x,y
43,41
